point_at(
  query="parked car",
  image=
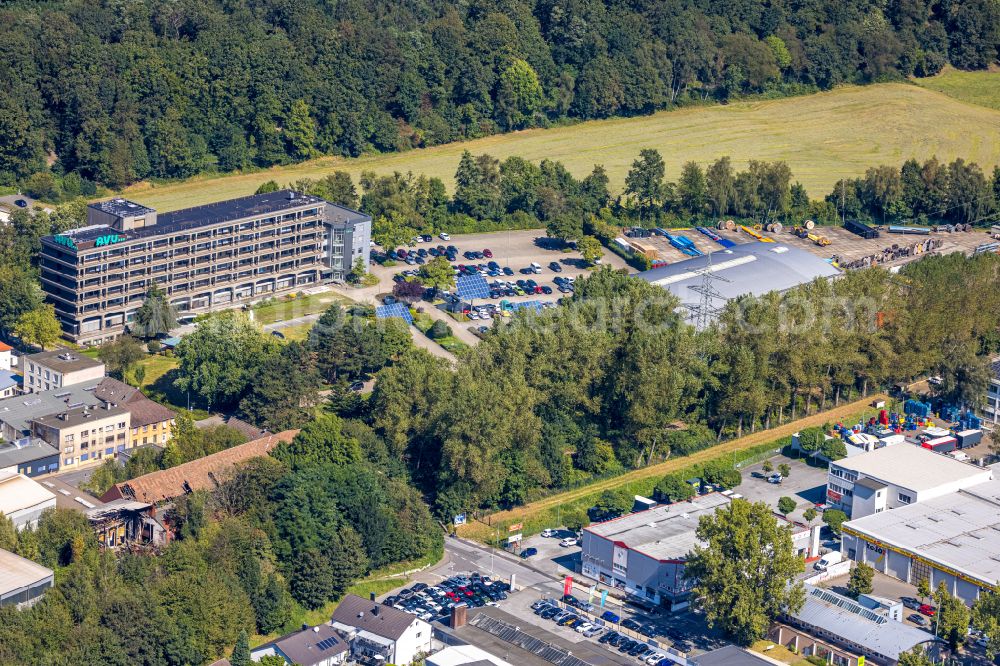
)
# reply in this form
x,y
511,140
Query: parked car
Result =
x,y
910,602
20,203
570,617
632,624
775,478
927,609
555,267
583,626
593,631
443,236
568,542
548,532
654,658
488,253
528,552
608,616
608,637
918,619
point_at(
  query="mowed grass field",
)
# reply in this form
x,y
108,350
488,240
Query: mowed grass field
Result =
x,y
823,137
982,88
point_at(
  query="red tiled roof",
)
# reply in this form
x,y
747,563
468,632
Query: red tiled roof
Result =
x,y
5,347
202,474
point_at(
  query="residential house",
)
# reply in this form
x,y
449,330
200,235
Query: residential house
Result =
x,y
151,422
85,435
57,369
312,646
382,633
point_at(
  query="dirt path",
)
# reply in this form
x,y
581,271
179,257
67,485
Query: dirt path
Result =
x,y
522,513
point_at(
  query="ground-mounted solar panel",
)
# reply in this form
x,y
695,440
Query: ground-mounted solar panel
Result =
x,y
469,287
395,310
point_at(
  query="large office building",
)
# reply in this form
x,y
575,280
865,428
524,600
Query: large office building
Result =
x,y
205,258
952,539
895,476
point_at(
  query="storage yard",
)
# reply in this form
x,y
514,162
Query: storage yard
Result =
x,y
849,250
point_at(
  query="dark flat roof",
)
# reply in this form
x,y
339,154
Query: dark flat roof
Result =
x,y
121,207
25,450
64,360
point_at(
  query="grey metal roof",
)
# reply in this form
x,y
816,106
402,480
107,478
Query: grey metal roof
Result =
x,y
855,624
17,572
746,269
960,530
18,411
730,655
24,450
664,532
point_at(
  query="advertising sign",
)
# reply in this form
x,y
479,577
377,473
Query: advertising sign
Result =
x,y
458,520
568,586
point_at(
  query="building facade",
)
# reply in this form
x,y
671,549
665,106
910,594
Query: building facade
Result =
x,y
85,435
991,406
49,370
896,476
382,633
205,258
643,554
952,539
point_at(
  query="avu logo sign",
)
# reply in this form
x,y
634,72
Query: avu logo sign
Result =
x,y
66,241
109,239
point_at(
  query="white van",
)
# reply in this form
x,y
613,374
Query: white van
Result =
x,y
829,560
535,268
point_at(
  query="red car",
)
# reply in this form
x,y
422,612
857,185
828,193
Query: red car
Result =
x,y
487,253
402,253
927,609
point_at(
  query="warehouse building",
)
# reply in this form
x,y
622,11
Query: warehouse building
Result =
x,y
22,582
746,269
207,257
896,476
23,500
954,538
844,632
30,456
643,553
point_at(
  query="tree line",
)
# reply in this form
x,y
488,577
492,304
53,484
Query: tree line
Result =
x,y
517,194
109,93
281,535
616,379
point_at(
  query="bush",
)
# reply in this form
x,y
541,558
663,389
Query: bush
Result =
x,y
154,346
439,330
673,488
786,505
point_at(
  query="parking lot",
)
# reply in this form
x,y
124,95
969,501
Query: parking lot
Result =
x,y
512,253
806,485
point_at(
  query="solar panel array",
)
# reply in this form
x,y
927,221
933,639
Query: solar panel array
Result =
x,y
848,605
537,306
472,286
536,646
327,643
394,310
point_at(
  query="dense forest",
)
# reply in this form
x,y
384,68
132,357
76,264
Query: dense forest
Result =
x,y
284,534
109,92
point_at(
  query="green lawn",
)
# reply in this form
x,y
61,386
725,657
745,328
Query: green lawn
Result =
x,y
982,88
823,137
158,384
283,309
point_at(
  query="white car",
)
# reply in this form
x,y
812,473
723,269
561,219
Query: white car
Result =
x,y
584,627
567,542
548,533
654,658
443,236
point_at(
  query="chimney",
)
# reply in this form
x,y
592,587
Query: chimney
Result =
x,y
375,611
459,617
305,627
371,595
